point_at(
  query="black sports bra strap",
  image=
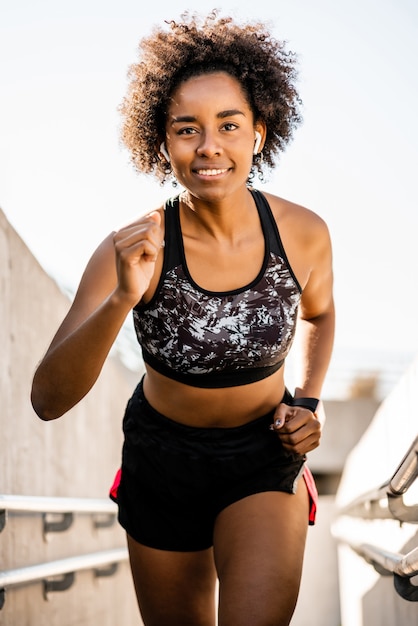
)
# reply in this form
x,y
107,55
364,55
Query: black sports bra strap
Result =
x,y
268,223
271,231
173,240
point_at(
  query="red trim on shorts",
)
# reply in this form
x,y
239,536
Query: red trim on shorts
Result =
x,y
113,493
313,494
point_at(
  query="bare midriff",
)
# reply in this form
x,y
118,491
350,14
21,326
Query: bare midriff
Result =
x,y
213,408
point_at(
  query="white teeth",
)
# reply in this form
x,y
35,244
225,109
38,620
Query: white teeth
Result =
x,y
210,172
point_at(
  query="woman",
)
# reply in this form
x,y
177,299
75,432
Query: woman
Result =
x,y
215,446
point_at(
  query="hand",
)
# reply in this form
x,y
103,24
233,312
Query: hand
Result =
x,y
298,428
137,247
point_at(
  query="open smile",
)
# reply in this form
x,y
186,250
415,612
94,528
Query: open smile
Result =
x,y
211,172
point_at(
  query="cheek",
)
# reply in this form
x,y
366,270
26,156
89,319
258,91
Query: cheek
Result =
x,y
181,153
180,170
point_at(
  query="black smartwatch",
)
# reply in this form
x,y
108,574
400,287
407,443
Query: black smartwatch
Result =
x,y
306,403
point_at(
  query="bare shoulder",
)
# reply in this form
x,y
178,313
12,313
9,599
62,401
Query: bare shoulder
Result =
x,y
305,237
298,218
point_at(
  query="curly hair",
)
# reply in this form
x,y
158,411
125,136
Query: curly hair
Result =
x,y
194,46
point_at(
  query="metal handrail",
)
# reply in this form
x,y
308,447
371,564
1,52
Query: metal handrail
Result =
x,y
390,562
66,507
407,471
403,567
63,567
387,501
40,504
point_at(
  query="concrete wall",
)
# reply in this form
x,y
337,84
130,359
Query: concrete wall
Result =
x,y
76,455
368,599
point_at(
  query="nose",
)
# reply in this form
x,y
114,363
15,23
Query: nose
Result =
x,y
208,145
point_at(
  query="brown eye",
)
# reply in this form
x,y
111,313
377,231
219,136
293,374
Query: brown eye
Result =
x,y
229,126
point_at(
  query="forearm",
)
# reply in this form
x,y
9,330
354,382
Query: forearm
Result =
x,y
299,424
71,366
315,340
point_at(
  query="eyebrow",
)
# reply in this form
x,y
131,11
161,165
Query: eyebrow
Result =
x,y
221,115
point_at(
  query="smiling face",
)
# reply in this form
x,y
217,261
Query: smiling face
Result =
x,y
210,135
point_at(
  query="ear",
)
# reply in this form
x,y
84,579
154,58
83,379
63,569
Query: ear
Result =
x,y
259,136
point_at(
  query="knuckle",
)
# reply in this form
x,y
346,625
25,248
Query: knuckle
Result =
x,y
123,253
292,440
317,427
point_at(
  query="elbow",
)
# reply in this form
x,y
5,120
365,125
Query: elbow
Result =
x,y
41,408
44,398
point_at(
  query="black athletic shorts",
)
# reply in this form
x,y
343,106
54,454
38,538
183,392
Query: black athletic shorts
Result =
x,y
175,479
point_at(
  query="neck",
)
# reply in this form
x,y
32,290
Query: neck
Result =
x,y
221,219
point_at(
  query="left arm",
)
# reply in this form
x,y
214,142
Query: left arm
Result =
x,y
316,321
299,428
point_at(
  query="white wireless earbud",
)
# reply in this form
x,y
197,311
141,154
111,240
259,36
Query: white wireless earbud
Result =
x,y
164,152
257,142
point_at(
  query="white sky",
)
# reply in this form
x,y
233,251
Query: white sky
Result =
x,y
65,181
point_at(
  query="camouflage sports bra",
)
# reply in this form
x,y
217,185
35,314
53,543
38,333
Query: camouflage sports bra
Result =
x,y
219,339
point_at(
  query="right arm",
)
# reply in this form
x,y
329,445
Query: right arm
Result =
x,y
114,281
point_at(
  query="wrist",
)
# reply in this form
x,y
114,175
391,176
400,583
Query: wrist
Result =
x,y
121,299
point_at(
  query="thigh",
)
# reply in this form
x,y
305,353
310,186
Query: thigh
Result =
x,y
173,588
259,543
